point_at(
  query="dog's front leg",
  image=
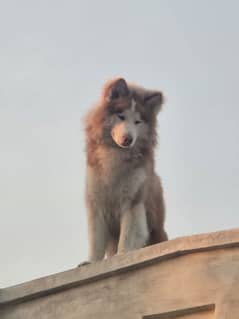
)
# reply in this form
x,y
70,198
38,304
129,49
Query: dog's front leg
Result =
x,y
134,231
98,235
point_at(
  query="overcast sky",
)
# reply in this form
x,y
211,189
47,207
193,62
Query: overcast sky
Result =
x,y
54,57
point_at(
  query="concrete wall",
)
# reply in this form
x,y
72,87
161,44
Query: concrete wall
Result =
x,y
189,278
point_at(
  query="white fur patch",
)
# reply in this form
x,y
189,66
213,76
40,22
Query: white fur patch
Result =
x,y
134,229
133,103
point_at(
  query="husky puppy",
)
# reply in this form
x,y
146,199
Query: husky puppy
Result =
x,y
124,196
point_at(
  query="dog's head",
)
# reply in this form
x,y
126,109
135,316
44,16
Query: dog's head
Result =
x,y
131,112
126,115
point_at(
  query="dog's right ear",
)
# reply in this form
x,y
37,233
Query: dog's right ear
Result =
x,y
115,89
153,100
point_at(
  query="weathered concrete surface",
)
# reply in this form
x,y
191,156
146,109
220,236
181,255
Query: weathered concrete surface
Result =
x,y
191,277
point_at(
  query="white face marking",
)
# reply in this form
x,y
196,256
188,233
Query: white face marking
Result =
x,y
133,103
125,130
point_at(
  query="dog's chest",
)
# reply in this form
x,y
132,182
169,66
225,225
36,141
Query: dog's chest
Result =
x,y
114,192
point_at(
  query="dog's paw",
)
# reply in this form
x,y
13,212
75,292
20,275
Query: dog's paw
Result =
x,y
84,263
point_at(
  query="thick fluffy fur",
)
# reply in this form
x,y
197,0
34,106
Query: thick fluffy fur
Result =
x,y
124,196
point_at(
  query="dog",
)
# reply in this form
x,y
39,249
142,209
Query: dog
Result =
x,y
124,196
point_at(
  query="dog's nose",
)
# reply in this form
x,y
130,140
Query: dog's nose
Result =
x,y
127,140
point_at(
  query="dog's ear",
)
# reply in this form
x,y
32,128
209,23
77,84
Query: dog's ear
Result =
x,y
116,89
154,100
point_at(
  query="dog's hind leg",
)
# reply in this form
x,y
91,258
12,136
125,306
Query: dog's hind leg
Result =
x,y
134,231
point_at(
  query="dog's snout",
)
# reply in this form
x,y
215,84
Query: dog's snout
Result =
x,y
127,140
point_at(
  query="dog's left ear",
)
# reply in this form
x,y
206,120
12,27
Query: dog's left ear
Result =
x,y
115,89
153,100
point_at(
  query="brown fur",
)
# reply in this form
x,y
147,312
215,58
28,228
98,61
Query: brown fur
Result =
x,y
121,183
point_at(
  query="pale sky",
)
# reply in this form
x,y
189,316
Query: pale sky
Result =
x,y
54,57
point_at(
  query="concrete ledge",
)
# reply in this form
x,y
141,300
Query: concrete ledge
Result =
x,y
182,312
118,264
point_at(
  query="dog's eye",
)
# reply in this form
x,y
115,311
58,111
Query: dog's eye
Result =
x,y
120,116
137,122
